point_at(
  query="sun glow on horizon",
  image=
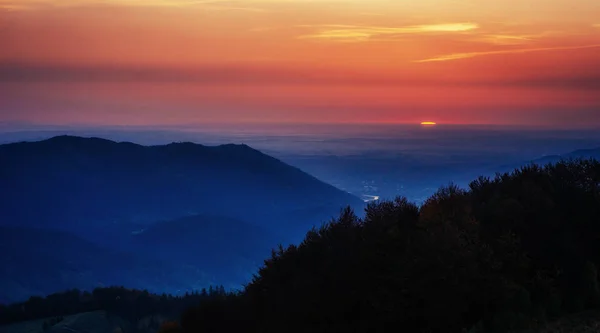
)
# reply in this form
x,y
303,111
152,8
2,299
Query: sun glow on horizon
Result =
x,y
428,123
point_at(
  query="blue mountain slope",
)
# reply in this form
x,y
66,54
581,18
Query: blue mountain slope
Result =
x,y
577,154
74,183
40,261
77,212
230,250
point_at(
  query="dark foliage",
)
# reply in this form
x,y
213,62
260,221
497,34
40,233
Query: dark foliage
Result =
x,y
51,322
128,304
508,253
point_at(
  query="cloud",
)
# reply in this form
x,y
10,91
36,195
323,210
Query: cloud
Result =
x,y
212,74
511,38
364,33
14,5
597,25
506,39
256,75
466,55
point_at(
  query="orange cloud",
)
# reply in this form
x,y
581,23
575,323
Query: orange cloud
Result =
x,y
457,56
14,5
364,33
506,39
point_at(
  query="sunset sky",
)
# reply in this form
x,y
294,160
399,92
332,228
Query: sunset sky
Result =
x,y
157,62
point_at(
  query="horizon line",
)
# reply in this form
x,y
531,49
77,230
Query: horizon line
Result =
x,y
188,125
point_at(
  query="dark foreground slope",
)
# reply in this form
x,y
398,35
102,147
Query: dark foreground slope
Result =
x,y
73,182
86,322
511,253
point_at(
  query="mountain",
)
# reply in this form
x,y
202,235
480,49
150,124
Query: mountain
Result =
x,y
581,153
593,153
40,261
76,212
172,256
229,249
75,183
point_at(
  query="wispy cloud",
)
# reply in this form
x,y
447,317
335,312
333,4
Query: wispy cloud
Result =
x,y
364,33
466,55
503,39
597,25
269,75
371,14
15,5
512,37
45,4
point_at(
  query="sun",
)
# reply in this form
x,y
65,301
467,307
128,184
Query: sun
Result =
x,y
428,123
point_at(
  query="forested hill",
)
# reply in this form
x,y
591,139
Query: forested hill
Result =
x,y
510,253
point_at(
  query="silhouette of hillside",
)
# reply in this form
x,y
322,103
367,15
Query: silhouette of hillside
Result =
x,y
512,252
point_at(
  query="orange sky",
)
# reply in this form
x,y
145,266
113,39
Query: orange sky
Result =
x,y
185,61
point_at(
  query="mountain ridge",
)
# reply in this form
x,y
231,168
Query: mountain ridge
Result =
x,y
153,173
589,153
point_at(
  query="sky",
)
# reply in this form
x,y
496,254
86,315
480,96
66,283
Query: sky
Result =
x,y
169,62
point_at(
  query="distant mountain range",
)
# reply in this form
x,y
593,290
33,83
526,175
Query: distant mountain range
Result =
x,y
41,261
175,256
582,153
84,211
593,153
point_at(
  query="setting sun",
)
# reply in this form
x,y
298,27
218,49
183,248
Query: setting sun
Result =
x,y
428,123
